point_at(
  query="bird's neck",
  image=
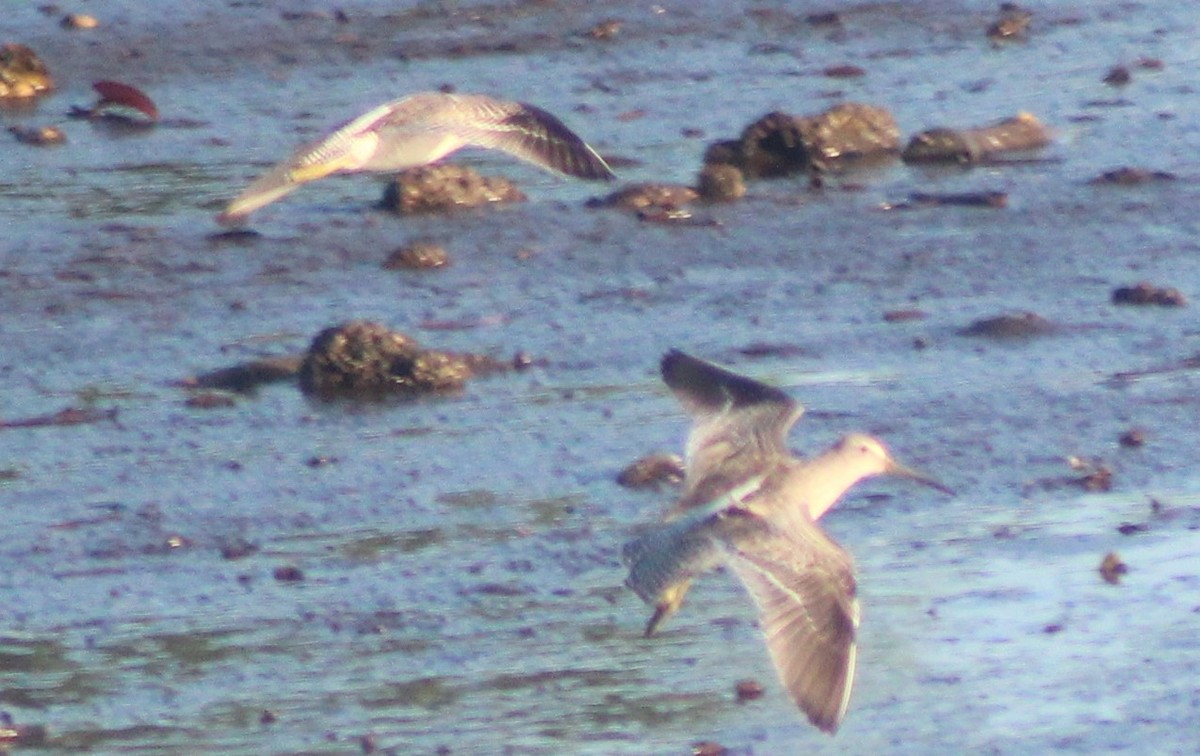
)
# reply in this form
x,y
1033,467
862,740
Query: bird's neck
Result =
x,y
828,477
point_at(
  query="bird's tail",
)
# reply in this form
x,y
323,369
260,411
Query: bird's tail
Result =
x,y
309,163
665,556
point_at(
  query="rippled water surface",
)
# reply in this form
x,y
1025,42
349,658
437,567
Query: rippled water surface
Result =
x,y
461,581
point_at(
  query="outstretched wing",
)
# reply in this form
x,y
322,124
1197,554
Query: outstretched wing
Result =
x,y
419,130
740,425
521,130
804,586
348,148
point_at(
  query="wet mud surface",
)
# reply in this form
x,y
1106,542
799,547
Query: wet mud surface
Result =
x,y
262,571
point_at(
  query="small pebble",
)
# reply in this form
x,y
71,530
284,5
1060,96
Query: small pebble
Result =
x,y
79,21
1118,76
1144,293
38,136
1132,438
1112,568
748,690
288,574
418,255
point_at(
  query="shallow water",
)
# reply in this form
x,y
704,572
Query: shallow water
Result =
x,y
462,586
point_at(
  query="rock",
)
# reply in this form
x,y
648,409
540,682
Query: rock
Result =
x,y
441,188
720,183
1132,438
38,136
748,690
1128,176
1118,76
652,471
1012,23
1010,326
961,199
417,255
78,21
638,197
1144,293
779,144
1112,568
946,145
22,73
360,357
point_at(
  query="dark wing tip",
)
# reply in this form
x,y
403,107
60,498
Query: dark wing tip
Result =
x,y
713,387
555,143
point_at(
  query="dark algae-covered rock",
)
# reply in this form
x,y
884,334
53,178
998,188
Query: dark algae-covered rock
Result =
x,y
720,183
637,197
441,188
948,145
22,73
780,144
360,357
1012,23
356,358
417,255
1145,293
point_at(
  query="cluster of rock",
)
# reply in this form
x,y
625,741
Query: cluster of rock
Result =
x,y
780,144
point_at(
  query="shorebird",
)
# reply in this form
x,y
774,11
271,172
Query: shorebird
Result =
x,y
419,130
748,503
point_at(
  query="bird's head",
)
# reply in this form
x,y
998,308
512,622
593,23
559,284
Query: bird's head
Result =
x,y
868,456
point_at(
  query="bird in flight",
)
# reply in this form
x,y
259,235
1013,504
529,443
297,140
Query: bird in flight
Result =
x,y
419,130
751,505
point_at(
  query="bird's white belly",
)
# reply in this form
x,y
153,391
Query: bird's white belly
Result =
x,y
396,151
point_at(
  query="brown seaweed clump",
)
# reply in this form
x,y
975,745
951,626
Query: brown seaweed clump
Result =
x,y
945,145
22,73
779,144
441,188
360,357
